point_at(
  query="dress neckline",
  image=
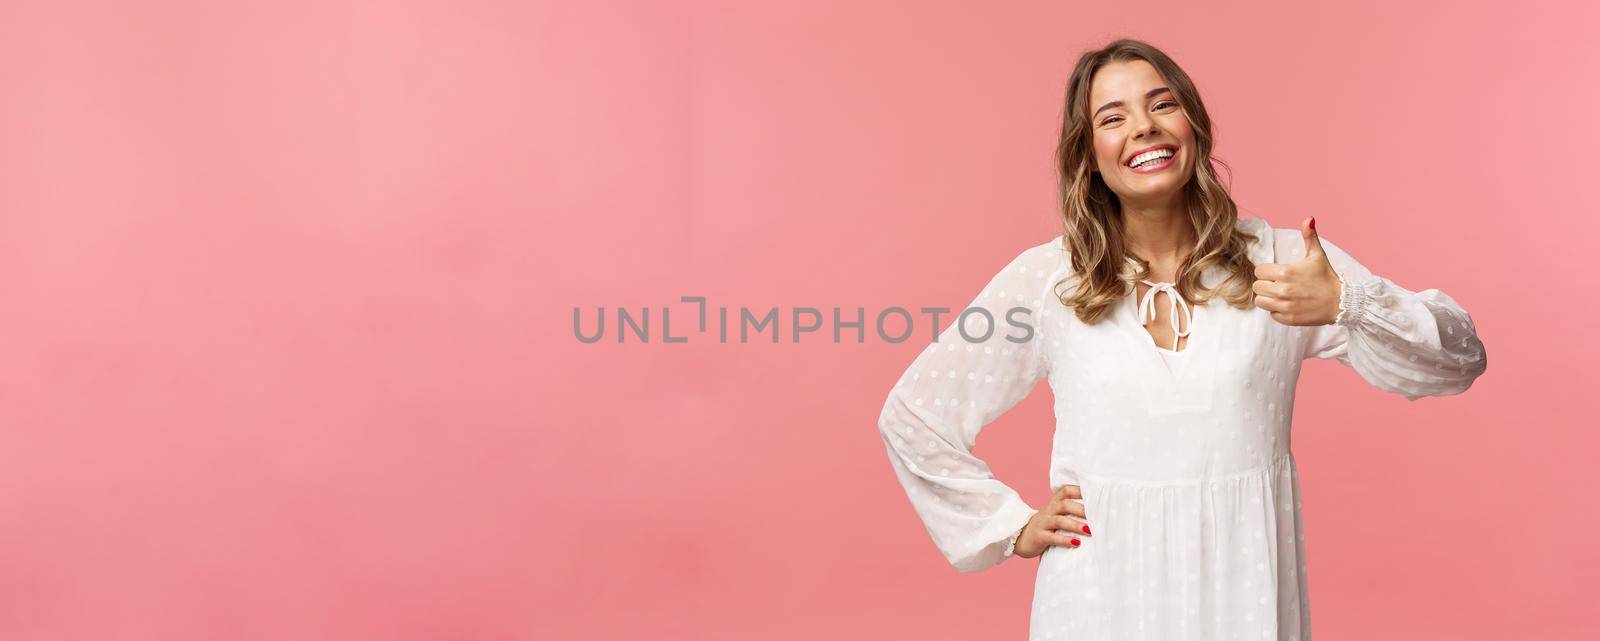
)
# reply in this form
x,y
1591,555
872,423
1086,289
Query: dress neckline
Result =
x,y
1167,382
1175,301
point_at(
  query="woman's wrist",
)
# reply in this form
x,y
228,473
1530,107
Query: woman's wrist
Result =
x,y
1011,541
1352,302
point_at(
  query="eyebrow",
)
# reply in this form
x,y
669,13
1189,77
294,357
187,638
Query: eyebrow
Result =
x,y
1119,103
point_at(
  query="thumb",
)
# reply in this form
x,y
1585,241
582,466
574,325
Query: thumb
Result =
x,y
1308,231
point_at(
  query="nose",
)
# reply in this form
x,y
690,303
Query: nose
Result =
x,y
1146,126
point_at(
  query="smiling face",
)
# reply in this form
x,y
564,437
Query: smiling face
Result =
x,y
1135,117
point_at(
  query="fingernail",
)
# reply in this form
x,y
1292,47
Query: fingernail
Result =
x,y
1086,529
1074,542
1313,223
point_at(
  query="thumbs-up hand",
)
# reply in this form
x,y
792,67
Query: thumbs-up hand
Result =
x,y
1300,293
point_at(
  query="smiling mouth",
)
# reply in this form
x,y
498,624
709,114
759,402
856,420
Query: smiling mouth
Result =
x,y
1155,159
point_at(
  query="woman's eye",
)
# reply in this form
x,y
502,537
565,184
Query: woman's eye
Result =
x,y
1159,105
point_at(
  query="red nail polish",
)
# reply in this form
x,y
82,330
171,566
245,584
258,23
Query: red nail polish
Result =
x,y
1086,529
1074,542
1313,223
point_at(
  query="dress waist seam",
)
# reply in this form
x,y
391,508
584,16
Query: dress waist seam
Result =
x,y
1276,463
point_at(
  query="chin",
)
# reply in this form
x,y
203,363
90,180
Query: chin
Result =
x,y
1155,190
1161,186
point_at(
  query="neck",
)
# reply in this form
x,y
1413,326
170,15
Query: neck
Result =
x,y
1159,233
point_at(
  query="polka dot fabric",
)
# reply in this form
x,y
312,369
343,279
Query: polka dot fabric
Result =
x,y
1189,483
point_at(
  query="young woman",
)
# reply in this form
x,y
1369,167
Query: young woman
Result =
x,y
1172,335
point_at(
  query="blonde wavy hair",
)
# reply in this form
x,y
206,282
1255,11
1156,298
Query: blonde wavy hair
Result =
x,y
1092,215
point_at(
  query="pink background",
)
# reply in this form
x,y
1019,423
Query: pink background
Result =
x,y
287,350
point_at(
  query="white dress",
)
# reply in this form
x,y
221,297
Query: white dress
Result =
x,y
1188,480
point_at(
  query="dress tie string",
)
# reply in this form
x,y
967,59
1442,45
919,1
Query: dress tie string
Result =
x,y
1147,310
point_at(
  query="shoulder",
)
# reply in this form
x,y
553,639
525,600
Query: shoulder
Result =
x,y
1045,256
1035,266
1262,240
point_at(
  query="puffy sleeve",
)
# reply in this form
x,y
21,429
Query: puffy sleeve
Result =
x,y
1414,344
985,361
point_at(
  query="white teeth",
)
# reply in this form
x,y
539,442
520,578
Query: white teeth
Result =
x,y
1149,156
